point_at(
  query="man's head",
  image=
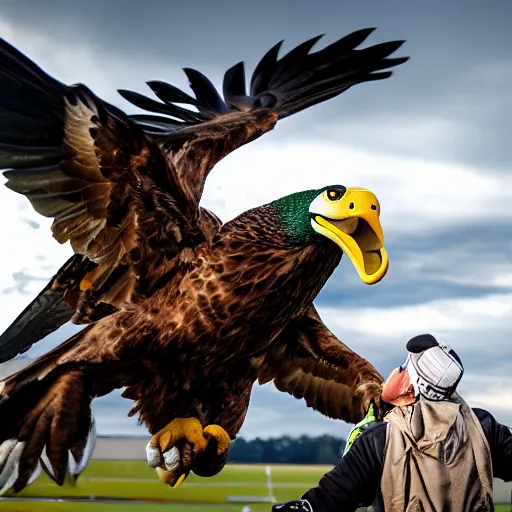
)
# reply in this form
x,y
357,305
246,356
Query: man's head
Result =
x,y
431,369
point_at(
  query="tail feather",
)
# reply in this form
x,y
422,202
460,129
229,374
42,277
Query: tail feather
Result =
x,y
48,420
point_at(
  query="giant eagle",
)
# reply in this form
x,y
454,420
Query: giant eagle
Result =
x,y
183,311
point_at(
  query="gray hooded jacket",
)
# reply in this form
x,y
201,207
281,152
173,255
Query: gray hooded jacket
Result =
x,y
431,447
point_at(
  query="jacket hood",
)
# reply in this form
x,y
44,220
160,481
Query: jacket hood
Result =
x,y
436,429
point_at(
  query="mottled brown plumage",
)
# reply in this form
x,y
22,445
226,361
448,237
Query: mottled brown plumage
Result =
x,y
184,312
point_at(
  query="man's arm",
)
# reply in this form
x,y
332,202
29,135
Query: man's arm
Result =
x,y
353,482
499,438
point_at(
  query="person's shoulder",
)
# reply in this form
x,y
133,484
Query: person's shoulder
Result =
x,y
367,449
492,428
374,433
370,444
376,427
483,415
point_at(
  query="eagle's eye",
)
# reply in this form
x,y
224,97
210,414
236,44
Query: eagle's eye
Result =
x,y
334,194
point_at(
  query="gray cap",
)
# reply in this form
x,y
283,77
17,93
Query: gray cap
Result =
x,y
434,368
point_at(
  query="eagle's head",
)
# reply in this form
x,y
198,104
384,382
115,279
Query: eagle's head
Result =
x,y
349,217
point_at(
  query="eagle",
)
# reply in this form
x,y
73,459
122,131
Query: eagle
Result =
x,y
182,311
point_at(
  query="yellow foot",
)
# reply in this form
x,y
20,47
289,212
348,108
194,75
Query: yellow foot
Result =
x,y
172,450
181,429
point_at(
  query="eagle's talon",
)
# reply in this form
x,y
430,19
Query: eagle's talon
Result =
x,y
180,429
172,459
171,478
220,435
153,455
173,449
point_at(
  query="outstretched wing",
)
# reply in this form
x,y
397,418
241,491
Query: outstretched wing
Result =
x,y
308,361
194,140
111,192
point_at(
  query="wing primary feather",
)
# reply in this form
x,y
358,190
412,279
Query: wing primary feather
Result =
x,y
170,94
285,86
264,70
348,42
34,179
23,157
379,51
45,314
233,85
208,98
292,61
12,59
389,63
154,106
41,317
301,79
158,123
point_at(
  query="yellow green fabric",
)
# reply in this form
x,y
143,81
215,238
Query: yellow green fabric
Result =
x,y
360,427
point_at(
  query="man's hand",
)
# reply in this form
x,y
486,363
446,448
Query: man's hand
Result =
x,y
293,506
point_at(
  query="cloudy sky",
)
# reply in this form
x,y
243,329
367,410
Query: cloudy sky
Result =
x,y
432,142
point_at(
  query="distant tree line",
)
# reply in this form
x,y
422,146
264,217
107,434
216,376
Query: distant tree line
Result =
x,y
287,450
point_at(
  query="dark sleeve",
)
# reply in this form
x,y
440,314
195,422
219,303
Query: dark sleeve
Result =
x,y
355,480
499,438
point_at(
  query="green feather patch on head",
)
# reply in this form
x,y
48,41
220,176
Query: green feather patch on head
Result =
x,y
293,214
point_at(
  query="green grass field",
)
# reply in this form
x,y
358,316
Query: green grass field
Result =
x,y
135,481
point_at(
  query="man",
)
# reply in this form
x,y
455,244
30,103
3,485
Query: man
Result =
x,y
432,453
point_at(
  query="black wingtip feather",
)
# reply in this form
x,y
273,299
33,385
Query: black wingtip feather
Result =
x,y
264,69
286,85
381,50
354,39
289,65
45,314
170,94
150,105
31,107
207,96
23,157
302,49
233,84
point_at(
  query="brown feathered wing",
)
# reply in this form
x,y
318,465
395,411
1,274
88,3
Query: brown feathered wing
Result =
x,y
308,361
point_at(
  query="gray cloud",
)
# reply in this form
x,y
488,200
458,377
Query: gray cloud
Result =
x,y
456,262
187,29
32,223
23,280
459,73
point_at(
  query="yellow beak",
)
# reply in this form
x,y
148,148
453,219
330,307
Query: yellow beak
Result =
x,y
352,222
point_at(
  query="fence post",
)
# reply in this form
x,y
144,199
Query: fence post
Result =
x,y
270,486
